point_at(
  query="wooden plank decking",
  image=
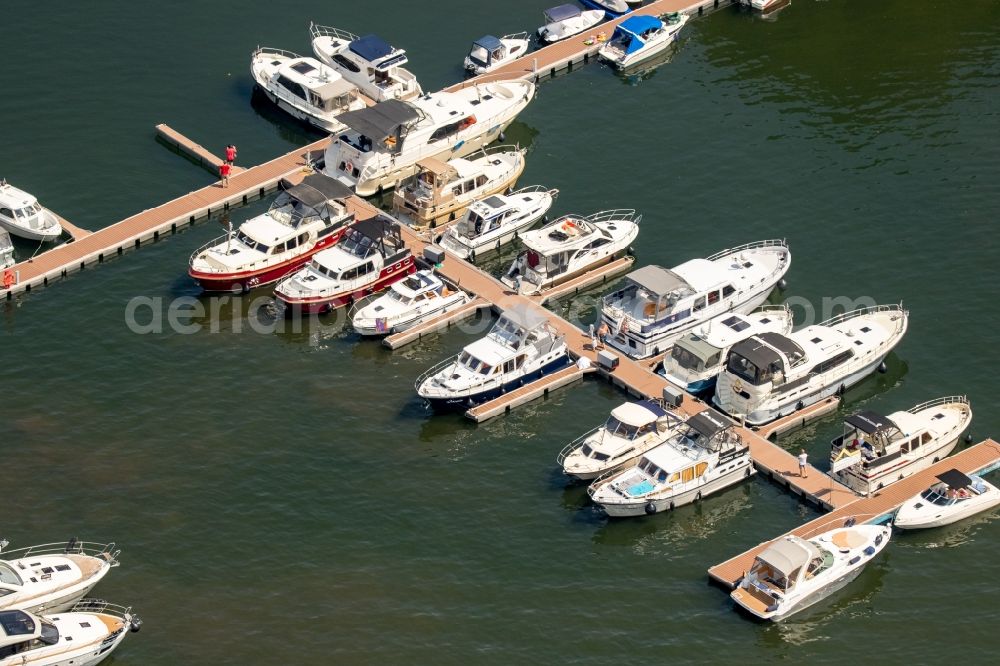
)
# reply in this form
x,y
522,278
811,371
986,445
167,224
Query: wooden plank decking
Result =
x,y
445,320
868,509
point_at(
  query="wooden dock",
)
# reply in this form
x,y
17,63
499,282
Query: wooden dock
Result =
x,y
198,153
590,279
876,508
445,320
527,393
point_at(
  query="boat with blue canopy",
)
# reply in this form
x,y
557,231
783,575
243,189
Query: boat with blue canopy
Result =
x,y
489,52
640,37
369,62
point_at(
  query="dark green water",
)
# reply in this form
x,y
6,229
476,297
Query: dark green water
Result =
x,y
284,498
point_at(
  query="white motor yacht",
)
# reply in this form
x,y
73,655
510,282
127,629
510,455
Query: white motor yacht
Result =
x,y
638,38
52,577
24,217
407,303
771,375
612,8
85,635
441,191
792,573
567,20
570,246
705,456
521,348
369,62
697,358
632,429
383,143
304,88
876,451
955,496
657,306
6,250
495,221
489,52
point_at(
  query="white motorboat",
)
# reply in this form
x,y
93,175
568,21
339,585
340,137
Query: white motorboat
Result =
x,y
640,37
570,246
792,573
705,456
876,451
407,303
489,52
954,497
303,219
632,429
369,62
383,143
697,358
612,8
52,577
441,191
6,250
304,88
521,348
370,257
766,6
657,306
772,375
567,20
495,221
85,635
24,217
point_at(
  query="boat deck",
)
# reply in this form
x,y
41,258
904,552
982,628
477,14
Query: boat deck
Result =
x,y
443,321
590,279
981,457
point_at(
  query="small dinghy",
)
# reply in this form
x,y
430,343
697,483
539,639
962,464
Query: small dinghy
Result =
x,y
955,496
24,217
489,52
567,20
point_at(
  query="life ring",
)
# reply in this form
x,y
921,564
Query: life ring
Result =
x,y
8,279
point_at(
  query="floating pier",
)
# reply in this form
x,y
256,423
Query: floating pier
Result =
x,y
443,321
877,508
527,393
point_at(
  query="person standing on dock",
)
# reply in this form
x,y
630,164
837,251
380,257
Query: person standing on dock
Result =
x,y
803,456
231,154
224,170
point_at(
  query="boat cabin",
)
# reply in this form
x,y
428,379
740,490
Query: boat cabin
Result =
x,y
632,34
422,286
787,562
487,51
365,248
686,458
486,215
379,128
314,83
702,349
764,358
878,439
953,487
437,182
21,632
369,61
657,297
555,247
378,55
561,13
627,423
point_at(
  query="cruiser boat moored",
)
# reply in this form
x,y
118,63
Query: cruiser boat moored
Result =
x,y
304,88
706,455
407,303
521,348
24,217
886,449
611,8
383,143
770,375
793,573
488,53
6,250
52,577
698,357
632,429
570,246
303,219
495,221
369,62
369,258
657,305
640,37
567,20
955,496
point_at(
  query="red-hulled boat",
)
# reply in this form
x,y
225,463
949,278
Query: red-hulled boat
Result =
x,y
369,258
303,219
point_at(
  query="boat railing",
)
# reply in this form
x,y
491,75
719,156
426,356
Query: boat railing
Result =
x,y
204,248
940,402
627,214
773,307
873,309
109,552
317,30
262,50
603,480
433,370
361,304
756,245
531,189
515,35
575,445
102,607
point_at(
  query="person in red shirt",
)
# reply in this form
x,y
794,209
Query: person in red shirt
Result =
x,y
231,154
224,170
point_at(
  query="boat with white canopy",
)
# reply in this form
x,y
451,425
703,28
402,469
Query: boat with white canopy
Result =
x,y
369,62
612,8
567,20
953,497
632,429
793,573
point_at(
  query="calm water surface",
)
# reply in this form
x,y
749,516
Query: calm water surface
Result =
x,y
285,497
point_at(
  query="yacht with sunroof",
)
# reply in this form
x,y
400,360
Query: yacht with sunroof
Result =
x,y
52,577
369,62
495,221
658,305
407,303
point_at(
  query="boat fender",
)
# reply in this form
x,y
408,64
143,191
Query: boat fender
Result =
x,y
747,473
782,284
968,438
671,505
799,405
870,550
8,279
878,539
135,625
850,522
697,497
883,368
841,390
498,243
502,136
472,255
855,559
650,508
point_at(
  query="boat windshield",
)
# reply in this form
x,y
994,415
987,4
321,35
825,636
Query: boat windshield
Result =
x,y
251,243
8,576
50,633
399,298
937,495
474,364
507,332
615,427
653,471
750,373
693,353
331,273
358,244
589,452
473,226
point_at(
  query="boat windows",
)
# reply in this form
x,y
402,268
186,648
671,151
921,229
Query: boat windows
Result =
x,y
445,131
50,633
593,245
713,297
278,249
346,63
687,475
292,87
699,304
833,362
700,468
8,576
661,476
728,291
615,427
292,243
252,244
750,373
7,212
